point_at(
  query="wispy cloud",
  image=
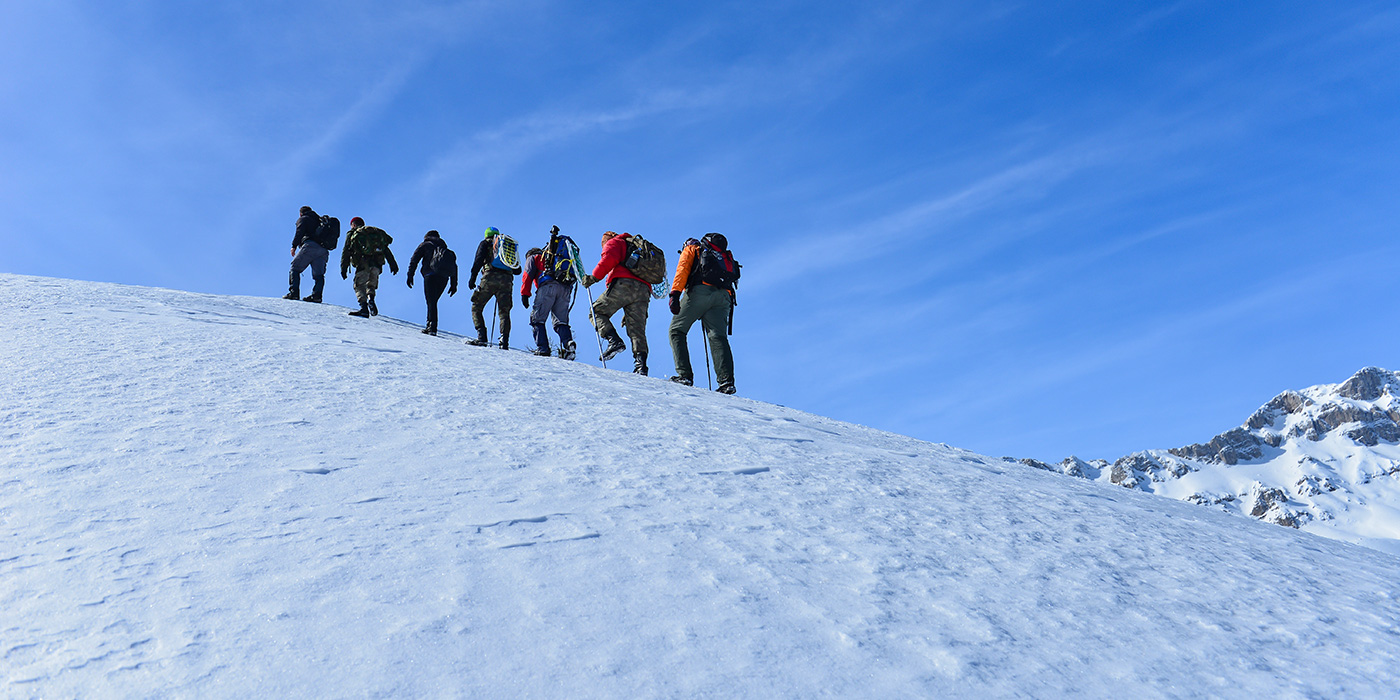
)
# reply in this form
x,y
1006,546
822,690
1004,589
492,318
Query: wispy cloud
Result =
x,y
371,103
485,157
1098,355
885,235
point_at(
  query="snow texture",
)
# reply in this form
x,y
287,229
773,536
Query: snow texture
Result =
x,y
220,497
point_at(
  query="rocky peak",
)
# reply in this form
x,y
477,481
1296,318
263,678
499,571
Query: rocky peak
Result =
x,y
1368,384
1289,402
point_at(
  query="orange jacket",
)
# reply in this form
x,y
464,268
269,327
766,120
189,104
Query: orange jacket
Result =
x,y
690,257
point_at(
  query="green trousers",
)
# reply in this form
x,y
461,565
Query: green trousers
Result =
x,y
710,307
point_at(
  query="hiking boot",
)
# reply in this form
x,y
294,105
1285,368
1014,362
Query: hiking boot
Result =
x,y
294,296
478,342
615,346
686,381
541,352
639,364
314,299
362,313
373,310
427,331
504,344
567,351
725,389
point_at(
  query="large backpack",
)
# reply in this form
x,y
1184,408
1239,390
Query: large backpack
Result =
x,y
370,242
328,232
645,260
557,261
713,267
503,253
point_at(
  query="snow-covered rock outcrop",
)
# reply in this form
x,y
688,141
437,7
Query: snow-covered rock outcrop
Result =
x,y
1323,459
235,497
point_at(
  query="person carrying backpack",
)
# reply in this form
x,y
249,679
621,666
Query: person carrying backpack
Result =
x,y
626,291
439,269
311,246
552,271
703,290
367,248
498,265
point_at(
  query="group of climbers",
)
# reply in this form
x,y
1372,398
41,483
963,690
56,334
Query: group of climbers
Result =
x,y
702,289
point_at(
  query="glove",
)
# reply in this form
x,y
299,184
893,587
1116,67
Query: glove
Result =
x,y
394,270
452,291
675,303
471,284
344,274
589,281
410,281
525,300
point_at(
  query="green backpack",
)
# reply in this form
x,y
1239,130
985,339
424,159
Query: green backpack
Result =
x,y
369,244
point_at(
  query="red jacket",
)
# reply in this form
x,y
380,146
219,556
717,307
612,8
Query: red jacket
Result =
x,y
531,278
614,251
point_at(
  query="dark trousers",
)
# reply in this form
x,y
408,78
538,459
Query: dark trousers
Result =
x,y
711,308
311,255
433,287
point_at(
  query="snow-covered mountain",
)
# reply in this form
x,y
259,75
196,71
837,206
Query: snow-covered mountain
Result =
x,y
1324,459
230,497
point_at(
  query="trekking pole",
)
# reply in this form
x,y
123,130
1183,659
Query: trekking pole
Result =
x,y
493,321
706,338
596,336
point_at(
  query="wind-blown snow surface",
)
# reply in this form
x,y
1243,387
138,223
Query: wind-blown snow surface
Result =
x,y
206,496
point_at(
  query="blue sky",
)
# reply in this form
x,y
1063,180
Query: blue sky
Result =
x,y
1029,229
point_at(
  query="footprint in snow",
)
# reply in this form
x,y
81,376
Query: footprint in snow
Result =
x,y
532,531
747,471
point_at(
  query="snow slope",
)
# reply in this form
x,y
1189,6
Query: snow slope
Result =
x,y
206,496
1324,459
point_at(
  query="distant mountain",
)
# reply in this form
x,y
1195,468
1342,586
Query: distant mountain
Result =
x,y
1323,459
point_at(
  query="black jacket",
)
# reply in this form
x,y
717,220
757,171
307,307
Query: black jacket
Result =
x,y
424,253
306,229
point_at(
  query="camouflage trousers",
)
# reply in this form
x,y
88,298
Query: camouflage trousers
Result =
x,y
366,282
498,285
633,298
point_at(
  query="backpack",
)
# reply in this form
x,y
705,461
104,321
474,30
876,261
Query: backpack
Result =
x,y
503,253
370,243
557,261
645,260
328,232
715,268
439,262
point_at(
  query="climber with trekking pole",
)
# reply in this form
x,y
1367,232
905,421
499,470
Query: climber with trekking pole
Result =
x,y
631,265
703,290
497,263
